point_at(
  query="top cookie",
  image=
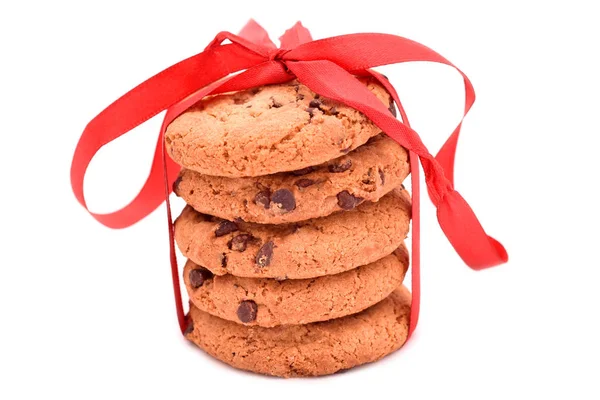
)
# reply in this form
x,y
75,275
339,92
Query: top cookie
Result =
x,y
266,130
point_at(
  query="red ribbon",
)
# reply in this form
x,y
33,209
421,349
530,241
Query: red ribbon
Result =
x,y
327,67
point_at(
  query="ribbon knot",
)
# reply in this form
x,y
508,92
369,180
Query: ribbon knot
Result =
x,y
278,55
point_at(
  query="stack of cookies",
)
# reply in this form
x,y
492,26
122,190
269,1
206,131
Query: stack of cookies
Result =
x,y
293,230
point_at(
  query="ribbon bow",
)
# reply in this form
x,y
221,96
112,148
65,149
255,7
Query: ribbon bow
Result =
x,y
328,67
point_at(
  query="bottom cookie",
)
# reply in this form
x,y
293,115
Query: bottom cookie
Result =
x,y
320,348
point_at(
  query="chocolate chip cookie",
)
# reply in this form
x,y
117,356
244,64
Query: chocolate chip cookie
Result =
x,y
369,172
269,302
319,348
266,130
307,249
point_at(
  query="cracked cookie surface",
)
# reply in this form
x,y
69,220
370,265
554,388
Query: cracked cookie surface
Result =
x,y
369,172
319,348
295,301
307,249
266,130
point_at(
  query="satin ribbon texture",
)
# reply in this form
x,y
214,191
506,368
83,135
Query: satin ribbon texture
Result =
x,y
328,67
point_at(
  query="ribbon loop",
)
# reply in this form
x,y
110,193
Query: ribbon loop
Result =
x,y
295,36
142,103
255,33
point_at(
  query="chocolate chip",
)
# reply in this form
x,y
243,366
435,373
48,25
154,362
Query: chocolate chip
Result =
x,y
303,171
263,198
348,201
226,227
284,200
198,276
315,103
190,327
176,185
239,242
341,167
304,182
392,108
247,311
275,103
310,111
299,97
368,178
382,176
332,111
264,255
223,260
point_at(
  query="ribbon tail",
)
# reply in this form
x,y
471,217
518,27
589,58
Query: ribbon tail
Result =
x,y
467,236
456,217
256,34
295,36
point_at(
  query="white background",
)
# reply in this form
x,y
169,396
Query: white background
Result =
x,y
87,312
